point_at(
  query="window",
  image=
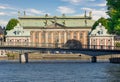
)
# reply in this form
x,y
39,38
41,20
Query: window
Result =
x,y
68,35
56,37
31,35
37,35
81,35
94,42
109,42
100,32
62,35
102,42
49,35
43,35
75,35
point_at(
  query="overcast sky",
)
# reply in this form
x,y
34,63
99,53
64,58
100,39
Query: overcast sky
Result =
x,y
9,8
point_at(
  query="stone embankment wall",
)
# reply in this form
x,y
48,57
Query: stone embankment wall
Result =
x,y
47,56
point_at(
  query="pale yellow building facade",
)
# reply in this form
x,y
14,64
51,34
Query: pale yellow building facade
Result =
x,y
49,30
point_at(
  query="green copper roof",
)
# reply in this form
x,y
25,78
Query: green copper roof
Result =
x,y
18,31
67,21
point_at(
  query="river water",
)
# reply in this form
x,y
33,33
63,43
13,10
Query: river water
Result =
x,y
59,72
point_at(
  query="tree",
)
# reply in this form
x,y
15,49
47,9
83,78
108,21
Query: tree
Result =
x,y
73,44
117,27
114,14
103,21
11,24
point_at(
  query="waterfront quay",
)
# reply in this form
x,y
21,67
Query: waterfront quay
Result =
x,y
37,56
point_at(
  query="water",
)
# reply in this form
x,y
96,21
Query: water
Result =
x,y
59,72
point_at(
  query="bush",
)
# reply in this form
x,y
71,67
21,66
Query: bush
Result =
x,y
117,44
10,55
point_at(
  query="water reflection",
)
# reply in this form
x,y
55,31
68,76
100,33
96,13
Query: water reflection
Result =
x,y
113,72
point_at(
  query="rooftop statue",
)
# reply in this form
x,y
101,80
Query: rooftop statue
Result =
x,y
90,14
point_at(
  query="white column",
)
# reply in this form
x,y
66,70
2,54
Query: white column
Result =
x,y
23,58
113,44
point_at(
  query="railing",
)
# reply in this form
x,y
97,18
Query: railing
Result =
x,y
61,45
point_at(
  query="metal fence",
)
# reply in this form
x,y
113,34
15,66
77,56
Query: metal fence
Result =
x,y
61,45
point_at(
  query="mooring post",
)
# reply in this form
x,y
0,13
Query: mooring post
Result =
x,y
23,57
93,59
26,57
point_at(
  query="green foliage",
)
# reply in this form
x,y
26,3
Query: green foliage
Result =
x,y
117,29
103,21
11,24
117,44
10,55
73,44
110,26
114,14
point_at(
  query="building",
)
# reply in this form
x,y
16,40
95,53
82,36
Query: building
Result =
x,y
1,35
117,42
2,52
100,39
49,30
117,39
18,36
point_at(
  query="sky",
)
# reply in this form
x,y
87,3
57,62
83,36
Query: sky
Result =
x,y
9,8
